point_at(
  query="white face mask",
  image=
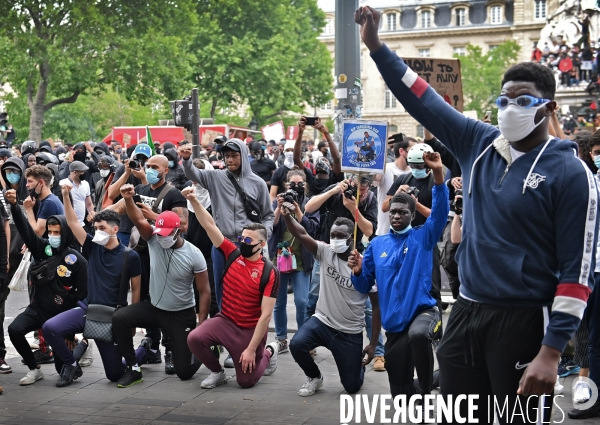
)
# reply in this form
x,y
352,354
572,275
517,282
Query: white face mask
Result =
x,y
166,241
101,237
516,123
104,173
339,246
289,159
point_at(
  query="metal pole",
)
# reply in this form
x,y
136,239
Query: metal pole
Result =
x,y
195,124
347,59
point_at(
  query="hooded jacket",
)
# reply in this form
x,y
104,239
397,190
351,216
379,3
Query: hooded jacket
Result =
x,y
402,264
227,205
71,272
63,171
175,176
529,229
16,242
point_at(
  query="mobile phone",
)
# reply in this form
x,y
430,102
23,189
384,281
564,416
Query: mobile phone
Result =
x,y
311,120
137,198
488,115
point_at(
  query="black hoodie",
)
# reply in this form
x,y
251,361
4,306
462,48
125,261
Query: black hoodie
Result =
x,y
71,272
63,170
176,175
16,242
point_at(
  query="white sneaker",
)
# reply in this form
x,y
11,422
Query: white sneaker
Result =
x,y
88,357
273,360
32,376
310,386
214,380
558,388
582,392
228,362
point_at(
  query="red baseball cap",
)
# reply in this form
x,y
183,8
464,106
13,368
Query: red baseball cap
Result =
x,y
165,223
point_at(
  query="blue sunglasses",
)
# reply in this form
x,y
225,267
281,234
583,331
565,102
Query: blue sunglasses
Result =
x,y
524,101
246,240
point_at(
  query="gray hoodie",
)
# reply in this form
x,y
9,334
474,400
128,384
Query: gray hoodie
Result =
x,y
227,206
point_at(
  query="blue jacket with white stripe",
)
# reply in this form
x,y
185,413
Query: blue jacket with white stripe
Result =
x,y
529,229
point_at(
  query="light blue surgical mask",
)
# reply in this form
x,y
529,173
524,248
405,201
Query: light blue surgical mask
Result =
x,y
171,164
152,176
403,231
13,178
419,174
596,161
54,241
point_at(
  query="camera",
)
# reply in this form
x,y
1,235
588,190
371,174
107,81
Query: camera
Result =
x,y
290,196
413,191
351,192
458,201
135,164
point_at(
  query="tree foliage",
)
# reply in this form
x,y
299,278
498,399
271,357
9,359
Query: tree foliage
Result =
x,y
60,50
262,53
482,74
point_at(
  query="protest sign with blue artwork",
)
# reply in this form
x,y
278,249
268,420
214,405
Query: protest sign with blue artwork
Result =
x,y
364,146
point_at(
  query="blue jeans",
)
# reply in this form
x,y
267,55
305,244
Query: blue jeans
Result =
x,y
313,291
346,349
300,282
380,348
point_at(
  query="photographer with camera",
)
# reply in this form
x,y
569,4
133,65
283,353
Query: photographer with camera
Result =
x,y
294,262
328,167
401,264
131,172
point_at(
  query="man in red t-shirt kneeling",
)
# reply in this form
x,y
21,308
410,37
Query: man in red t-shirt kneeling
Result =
x,y
243,323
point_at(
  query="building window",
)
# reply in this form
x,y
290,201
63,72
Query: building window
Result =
x,y
390,100
426,19
393,129
460,51
496,15
493,47
391,22
424,53
541,9
420,131
326,106
461,17
328,30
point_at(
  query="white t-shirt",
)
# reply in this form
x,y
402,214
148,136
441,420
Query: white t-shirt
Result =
x,y
392,172
79,194
340,305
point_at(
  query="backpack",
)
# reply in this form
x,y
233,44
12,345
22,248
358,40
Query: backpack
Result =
x,y
266,273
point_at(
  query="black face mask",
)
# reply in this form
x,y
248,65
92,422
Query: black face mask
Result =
x,y
247,250
32,193
319,185
79,156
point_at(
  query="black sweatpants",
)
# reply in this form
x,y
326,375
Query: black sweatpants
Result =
x,y
485,350
410,349
175,324
28,321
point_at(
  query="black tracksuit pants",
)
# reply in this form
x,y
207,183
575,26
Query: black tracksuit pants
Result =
x,y
485,350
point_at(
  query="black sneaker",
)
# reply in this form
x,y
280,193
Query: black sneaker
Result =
x,y
41,357
4,368
130,377
153,357
68,374
169,366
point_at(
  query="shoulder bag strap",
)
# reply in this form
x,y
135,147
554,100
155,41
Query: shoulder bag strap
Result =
x,y
124,276
167,187
237,187
232,257
266,275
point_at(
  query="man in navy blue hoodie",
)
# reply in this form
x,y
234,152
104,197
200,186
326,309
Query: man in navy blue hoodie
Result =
x,y
526,260
401,262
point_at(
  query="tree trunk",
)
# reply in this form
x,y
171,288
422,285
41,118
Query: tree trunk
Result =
x,y
36,103
213,108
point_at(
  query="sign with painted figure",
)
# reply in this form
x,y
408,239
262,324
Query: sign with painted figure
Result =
x,y
364,146
443,75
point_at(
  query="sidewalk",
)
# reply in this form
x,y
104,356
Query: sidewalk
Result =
x,y
163,399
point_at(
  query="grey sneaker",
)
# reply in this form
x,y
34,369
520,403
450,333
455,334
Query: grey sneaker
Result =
x,y
88,357
32,376
282,346
214,380
310,386
272,367
229,362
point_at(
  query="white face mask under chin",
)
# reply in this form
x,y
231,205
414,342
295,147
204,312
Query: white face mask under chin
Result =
x,y
516,123
339,246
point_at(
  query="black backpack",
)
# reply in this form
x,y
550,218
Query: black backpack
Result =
x,y
266,273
